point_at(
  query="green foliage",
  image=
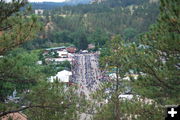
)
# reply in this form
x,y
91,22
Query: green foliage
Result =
x,y
52,69
82,42
159,61
21,29
18,71
129,33
60,102
16,27
156,61
113,50
116,59
130,109
99,38
15,6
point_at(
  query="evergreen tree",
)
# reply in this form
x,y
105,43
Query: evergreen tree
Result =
x,y
54,101
15,27
159,60
82,42
18,71
116,62
156,61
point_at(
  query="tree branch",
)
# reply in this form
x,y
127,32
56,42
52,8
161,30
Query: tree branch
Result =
x,y
24,108
157,77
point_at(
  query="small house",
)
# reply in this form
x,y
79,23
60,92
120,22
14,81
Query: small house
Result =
x,y
71,49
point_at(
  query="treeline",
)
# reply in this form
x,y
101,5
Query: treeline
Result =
x,y
45,5
102,20
53,5
95,7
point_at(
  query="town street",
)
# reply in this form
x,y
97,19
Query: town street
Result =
x,y
86,73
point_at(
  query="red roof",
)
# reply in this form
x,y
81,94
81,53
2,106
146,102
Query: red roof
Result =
x,y
71,49
15,116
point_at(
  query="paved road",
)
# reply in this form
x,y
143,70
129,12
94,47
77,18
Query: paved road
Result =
x,y
87,75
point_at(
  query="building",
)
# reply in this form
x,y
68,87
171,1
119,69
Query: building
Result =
x,y
56,48
126,96
127,77
63,53
39,12
39,62
62,76
91,46
14,116
58,60
71,49
84,51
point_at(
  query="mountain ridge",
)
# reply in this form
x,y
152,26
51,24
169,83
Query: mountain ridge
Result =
x,y
52,5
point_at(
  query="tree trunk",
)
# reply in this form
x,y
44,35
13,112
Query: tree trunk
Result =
x,y
117,107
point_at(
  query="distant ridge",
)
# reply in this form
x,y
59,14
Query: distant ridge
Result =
x,y
52,5
46,5
75,2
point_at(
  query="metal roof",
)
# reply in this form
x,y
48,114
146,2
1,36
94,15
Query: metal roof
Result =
x,y
54,48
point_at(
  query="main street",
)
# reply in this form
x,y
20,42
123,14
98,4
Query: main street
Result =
x,y
86,73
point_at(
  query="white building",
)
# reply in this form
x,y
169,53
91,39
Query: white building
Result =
x,y
63,54
127,76
126,96
63,76
58,60
39,12
39,62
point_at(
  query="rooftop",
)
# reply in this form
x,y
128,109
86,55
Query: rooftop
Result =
x,y
55,48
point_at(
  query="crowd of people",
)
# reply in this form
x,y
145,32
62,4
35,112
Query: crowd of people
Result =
x,y
86,72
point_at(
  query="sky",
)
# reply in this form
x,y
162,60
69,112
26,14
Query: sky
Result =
x,y
42,0
46,0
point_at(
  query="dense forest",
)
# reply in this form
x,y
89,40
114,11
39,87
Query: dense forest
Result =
x,y
95,23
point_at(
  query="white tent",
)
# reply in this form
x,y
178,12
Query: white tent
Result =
x,y
62,76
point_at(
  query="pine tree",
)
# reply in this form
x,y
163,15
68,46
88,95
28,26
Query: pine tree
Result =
x,y
55,101
118,63
159,61
156,60
17,71
15,27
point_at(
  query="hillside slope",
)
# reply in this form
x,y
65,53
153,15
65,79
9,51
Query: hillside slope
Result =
x,y
97,22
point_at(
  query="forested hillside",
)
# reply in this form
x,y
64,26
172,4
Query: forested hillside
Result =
x,y
96,22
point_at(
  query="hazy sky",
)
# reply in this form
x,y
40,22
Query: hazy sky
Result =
x,y
46,0
42,0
